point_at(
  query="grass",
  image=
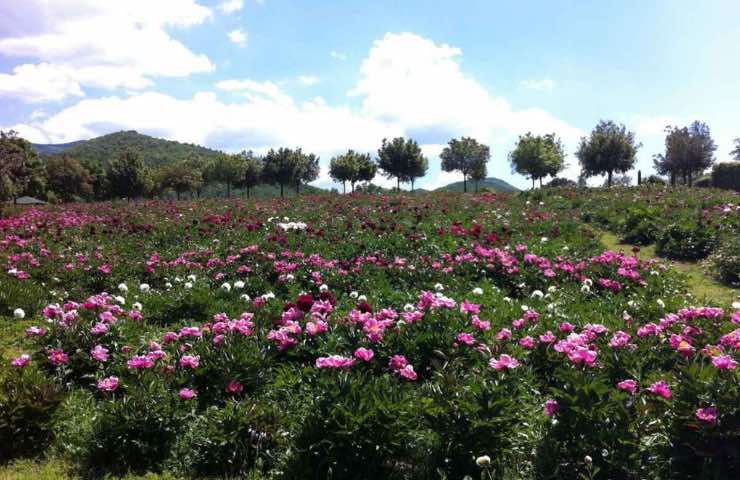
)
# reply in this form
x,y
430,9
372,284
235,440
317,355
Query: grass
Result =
x,y
701,285
53,469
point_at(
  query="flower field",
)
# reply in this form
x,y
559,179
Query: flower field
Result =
x,y
397,336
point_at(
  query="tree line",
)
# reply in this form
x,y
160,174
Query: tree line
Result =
x,y
609,149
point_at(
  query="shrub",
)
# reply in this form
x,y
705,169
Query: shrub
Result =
x,y
231,440
562,182
654,180
704,181
726,262
685,242
726,175
640,226
27,402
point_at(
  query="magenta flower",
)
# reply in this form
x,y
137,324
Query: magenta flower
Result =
x,y
58,357
234,387
661,388
187,393
408,372
397,362
108,384
22,361
505,362
551,407
140,362
724,362
35,331
190,361
364,354
503,334
628,386
528,342
548,337
466,338
707,414
99,353
334,361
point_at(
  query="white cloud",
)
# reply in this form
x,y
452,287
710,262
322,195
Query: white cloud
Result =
x,y
231,6
338,55
39,83
541,84
309,79
409,86
88,43
239,37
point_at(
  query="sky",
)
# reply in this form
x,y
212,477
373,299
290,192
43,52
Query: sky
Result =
x,y
328,75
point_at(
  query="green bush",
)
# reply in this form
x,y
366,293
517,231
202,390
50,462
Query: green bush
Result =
x,y
726,262
27,401
640,226
685,242
704,181
726,175
231,440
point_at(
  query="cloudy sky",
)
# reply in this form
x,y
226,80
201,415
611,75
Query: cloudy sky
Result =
x,y
328,75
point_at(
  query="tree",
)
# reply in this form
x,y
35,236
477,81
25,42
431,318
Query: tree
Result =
x,y
179,177
280,167
538,156
19,166
306,169
464,155
610,148
68,179
402,159
252,171
736,153
689,152
479,172
352,167
126,176
226,170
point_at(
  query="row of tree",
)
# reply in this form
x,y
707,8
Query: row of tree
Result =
x,y
609,149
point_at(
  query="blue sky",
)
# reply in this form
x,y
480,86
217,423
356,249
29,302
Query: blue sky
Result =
x,y
330,75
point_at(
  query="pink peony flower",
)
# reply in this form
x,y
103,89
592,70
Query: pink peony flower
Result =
x,y
548,337
466,338
408,372
503,334
566,327
397,362
190,361
35,331
22,361
551,407
187,393
58,357
140,362
528,342
661,388
724,362
628,386
108,384
234,387
334,361
707,414
99,353
364,354
505,362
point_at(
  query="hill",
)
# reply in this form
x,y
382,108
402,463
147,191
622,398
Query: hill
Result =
x,y
154,151
490,182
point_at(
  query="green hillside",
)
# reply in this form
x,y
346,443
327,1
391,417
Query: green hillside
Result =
x,y
490,182
154,151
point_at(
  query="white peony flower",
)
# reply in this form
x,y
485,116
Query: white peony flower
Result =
x,y
477,291
123,288
137,306
439,287
144,288
239,284
226,286
120,300
19,313
188,285
324,288
483,461
354,294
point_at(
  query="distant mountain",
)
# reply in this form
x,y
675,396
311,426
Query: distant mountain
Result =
x,y
490,182
153,151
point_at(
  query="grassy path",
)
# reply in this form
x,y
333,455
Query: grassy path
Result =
x,y
705,288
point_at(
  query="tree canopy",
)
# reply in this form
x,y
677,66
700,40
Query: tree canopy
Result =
x,y
467,156
126,175
20,170
689,151
538,156
352,167
610,148
402,159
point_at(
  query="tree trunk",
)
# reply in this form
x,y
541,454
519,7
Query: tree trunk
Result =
x,y
344,187
248,192
691,180
673,179
298,188
398,184
412,184
228,190
177,192
353,186
281,190
532,182
465,183
609,179
540,182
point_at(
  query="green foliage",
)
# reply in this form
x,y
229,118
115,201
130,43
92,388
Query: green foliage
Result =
x,y
538,156
352,167
68,179
689,152
403,160
562,182
127,177
727,175
640,226
726,262
466,156
685,241
610,148
20,171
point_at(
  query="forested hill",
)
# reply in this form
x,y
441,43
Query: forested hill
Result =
x,y
490,182
153,151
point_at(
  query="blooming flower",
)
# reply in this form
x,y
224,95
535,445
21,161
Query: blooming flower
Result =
x,y
551,407
724,362
19,313
707,414
466,338
505,362
99,353
234,387
190,361
58,357
364,354
22,361
187,393
108,384
661,388
334,361
628,385
140,362
408,372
